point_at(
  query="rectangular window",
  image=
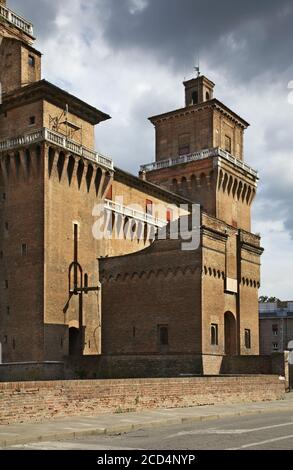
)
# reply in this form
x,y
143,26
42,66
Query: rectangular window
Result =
x,y
247,334
214,334
228,144
32,120
6,284
24,249
8,310
149,207
275,330
184,144
6,226
3,196
169,215
5,339
163,335
31,60
184,150
275,346
110,193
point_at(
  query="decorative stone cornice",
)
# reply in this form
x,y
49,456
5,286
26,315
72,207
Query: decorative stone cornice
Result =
x,y
148,274
43,90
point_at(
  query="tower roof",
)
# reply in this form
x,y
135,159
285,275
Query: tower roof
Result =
x,y
214,103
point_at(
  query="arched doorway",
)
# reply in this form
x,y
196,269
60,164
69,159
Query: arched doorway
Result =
x,y
74,342
230,334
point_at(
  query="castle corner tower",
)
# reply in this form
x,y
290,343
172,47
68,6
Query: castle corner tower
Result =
x,y
200,155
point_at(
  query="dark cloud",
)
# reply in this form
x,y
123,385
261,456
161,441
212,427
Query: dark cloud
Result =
x,y
249,37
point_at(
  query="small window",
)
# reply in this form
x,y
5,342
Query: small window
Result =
x,y
5,339
8,310
110,193
6,284
247,339
228,144
169,215
1,254
6,226
184,150
134,332
24,249
275,330
163,335
32,120
149,207
3,196
214,334
13,343
195,97
31,60
207,96
275,346
86,281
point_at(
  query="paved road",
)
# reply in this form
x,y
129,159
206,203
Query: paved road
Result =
x,y
266,431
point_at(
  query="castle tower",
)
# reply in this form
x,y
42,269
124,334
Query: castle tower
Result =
x,y
20,63
51,177
200,155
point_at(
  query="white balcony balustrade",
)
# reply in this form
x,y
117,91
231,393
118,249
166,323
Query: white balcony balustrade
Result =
x,y
53,137
134,214
16,20
192,157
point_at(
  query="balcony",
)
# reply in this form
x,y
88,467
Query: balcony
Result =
x,y
53,137
134,214
203,154
17,21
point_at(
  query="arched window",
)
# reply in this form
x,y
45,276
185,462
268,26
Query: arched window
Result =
x,y
214,334
195,97
207,96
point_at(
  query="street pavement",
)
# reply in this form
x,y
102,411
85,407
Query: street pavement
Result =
x,y
271,431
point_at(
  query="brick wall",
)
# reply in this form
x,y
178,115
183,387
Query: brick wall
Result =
x,y
28,371
133,366
36,401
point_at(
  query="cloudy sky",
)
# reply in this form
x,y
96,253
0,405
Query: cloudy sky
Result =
x,y
129,58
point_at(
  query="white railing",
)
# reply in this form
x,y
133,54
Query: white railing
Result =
x,y
16,20
58,139
134,214
237,162
192,157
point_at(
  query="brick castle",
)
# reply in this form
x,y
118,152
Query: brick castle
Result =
x,y
67,295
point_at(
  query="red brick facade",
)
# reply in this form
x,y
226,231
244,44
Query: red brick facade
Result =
x,y
66,293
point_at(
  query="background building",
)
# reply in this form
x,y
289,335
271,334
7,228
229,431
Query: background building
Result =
x,y
275,326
